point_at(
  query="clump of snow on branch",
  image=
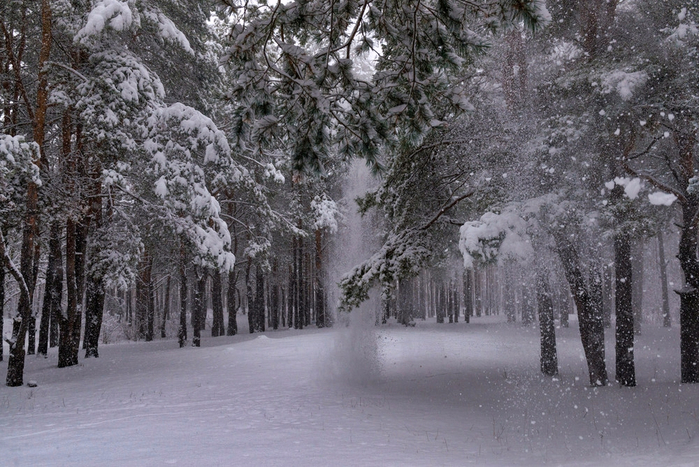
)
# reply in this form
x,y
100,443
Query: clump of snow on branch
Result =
x,y
660,198
685,29
325,213
495,237
107,13
169,31
624,83
632,186
16,156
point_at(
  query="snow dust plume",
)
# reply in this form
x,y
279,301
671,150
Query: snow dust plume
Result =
x,y
354,357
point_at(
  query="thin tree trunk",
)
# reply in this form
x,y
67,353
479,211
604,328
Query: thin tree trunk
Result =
x,y
275,308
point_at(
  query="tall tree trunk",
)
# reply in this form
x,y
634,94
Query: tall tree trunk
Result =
x,y
667,320
590,322
625,368
69,321
94,299
547,328
53,288
217,328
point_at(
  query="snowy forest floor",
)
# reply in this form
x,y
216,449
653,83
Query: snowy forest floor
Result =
x,y
448,394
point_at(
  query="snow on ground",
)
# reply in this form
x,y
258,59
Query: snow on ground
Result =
x,y
448,394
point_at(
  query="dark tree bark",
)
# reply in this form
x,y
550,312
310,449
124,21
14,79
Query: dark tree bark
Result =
x,y
547,328
198,308
625,368
608,296
182,331
667,320
591,326
441,305
468,295
145,309
689,294
274,298
53,290
478,292
217,328
259,304
2,302
250,299
637,285
67,356
166,308
231,296
301,285
94,293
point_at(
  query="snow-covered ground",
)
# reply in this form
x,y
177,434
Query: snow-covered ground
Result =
x,y
449,394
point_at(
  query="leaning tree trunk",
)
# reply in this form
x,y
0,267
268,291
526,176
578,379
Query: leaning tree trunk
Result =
x,y
547,328
589,320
